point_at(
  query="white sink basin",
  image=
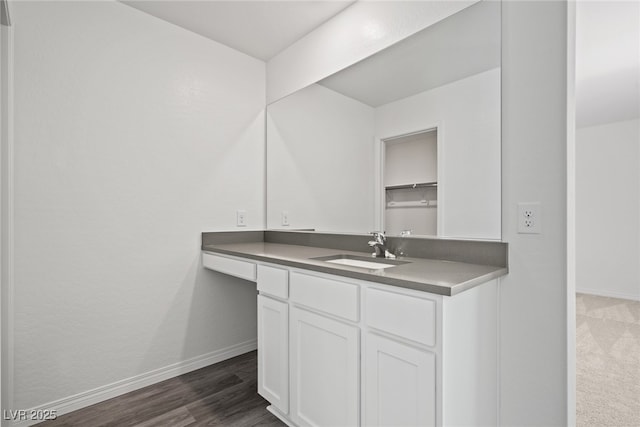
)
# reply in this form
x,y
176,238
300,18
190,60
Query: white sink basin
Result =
x,y
369,263
359,263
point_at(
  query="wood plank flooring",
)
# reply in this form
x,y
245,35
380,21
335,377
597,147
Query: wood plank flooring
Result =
x,y
608,372
224,394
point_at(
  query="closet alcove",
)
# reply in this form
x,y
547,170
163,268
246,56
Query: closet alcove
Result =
x,y
410,177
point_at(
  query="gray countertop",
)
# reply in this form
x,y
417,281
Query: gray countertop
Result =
x,y
429,275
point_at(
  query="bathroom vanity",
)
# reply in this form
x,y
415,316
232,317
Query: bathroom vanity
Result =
x,y
408,141
345,339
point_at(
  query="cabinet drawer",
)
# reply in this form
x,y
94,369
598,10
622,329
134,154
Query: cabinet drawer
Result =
x,y
328,295
402,315
233,267
273,281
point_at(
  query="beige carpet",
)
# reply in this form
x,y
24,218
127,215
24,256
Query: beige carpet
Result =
x,y
607,361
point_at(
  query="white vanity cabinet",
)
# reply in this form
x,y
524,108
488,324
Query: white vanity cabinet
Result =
x,y
336,351
273,336
400,359
325,350
399,384
325,367
273,352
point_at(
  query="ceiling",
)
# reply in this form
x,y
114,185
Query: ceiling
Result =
x,y
607,62
260,28
607,42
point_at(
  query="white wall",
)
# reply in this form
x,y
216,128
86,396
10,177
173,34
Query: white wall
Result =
x,y
608,209
132,136
411,159
4,135
533,301
467,114
607,138
607,61
321,162
533,296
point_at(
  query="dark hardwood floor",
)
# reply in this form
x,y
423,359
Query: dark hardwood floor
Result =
x,y
224,394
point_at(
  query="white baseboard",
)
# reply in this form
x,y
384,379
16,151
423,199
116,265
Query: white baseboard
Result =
x,y
610,294
109,391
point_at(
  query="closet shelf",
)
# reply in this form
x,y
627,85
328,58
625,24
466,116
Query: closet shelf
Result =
x,y
413,204
409,186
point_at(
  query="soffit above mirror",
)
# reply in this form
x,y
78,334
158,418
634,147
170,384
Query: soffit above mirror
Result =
x,y
464,44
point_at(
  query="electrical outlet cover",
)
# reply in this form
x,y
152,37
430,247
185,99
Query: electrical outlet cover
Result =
x,y
241,218
529,218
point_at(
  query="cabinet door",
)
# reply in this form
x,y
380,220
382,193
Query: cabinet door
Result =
x,y
273,352
325,371
399,384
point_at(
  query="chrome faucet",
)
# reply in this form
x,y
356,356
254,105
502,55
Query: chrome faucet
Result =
x,y
379,245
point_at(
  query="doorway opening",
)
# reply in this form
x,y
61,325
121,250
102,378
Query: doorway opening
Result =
x,y
410,183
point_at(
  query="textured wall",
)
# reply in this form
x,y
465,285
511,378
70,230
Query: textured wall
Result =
x,y
132,136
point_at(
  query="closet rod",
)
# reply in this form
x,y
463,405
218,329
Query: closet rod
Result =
x,y
406,186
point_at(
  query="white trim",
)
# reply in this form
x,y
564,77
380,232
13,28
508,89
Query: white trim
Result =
x,y
7,226
442,182
379,185
571,217
118,388
498,350
609,294
381,190
378,199
499,293
499,279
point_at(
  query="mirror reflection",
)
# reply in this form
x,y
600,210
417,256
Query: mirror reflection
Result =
x,y
407,140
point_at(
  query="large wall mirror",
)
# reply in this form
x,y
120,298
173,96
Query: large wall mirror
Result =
x,y
407,140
